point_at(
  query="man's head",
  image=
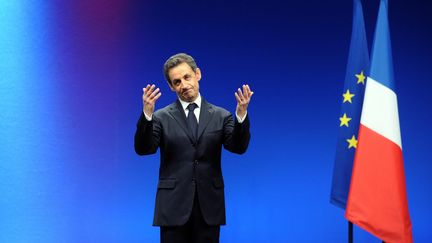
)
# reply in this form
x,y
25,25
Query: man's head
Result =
x,y
183,76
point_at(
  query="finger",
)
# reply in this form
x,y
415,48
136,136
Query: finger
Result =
x,y
242,99
249,90
245,92
157,97
154,93
237,97
150,90
145,90
240,94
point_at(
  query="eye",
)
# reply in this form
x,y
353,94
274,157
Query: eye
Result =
x,y
187,77
176,82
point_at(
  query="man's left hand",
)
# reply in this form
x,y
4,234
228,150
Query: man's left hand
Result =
x,y
243,99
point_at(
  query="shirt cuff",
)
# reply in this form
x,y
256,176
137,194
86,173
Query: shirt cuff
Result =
x,y
241,119
148,118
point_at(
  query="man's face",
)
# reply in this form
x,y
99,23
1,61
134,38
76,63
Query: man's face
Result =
x,y
184,81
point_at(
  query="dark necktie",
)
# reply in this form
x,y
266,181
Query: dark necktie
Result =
x,y
192,120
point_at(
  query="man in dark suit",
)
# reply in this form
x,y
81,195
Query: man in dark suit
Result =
x,y
190,133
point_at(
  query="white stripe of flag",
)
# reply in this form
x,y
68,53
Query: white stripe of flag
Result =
x,y
380,111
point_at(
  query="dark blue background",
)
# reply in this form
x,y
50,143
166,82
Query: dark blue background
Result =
x,y
71,82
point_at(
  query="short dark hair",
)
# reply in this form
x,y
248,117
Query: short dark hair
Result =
x,y
176,60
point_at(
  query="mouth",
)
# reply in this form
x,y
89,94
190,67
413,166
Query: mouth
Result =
x,y
186,91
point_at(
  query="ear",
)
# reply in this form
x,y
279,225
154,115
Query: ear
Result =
x,y
198,73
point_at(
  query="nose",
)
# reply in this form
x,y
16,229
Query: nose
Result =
x,y
182,84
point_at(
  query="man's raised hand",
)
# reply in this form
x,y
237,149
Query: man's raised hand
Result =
x,y
149,97
243,99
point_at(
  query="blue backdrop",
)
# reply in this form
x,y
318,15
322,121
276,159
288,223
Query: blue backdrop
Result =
x,y
71,78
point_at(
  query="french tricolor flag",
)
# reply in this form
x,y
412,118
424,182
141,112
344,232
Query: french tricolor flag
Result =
x,y
377,200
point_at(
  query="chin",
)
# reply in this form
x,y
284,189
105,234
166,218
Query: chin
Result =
x,y
187,99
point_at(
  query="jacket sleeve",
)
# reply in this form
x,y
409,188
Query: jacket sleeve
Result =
x,y
147,135
236,135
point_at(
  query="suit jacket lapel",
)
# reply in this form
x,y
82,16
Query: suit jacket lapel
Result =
x,y
176,110
206,115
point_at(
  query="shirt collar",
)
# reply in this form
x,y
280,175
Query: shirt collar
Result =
x,y
196,101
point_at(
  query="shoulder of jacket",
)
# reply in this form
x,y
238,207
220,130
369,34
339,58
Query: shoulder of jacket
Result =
x,y
218,109
164,111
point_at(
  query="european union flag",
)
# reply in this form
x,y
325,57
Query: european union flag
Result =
x,y
352,101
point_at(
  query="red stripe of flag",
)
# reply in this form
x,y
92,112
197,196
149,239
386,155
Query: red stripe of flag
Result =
x,y
377,200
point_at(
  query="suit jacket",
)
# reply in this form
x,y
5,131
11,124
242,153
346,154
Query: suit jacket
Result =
x,y
186,163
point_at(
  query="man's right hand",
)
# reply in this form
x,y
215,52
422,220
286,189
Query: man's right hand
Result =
x,y
150,96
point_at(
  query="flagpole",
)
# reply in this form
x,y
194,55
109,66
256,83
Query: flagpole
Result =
x,y
350,233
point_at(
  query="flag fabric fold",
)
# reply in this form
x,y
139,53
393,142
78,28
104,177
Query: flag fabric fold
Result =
x,y
352,100
377,200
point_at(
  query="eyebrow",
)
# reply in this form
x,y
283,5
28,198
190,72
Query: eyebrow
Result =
x,y
184,76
